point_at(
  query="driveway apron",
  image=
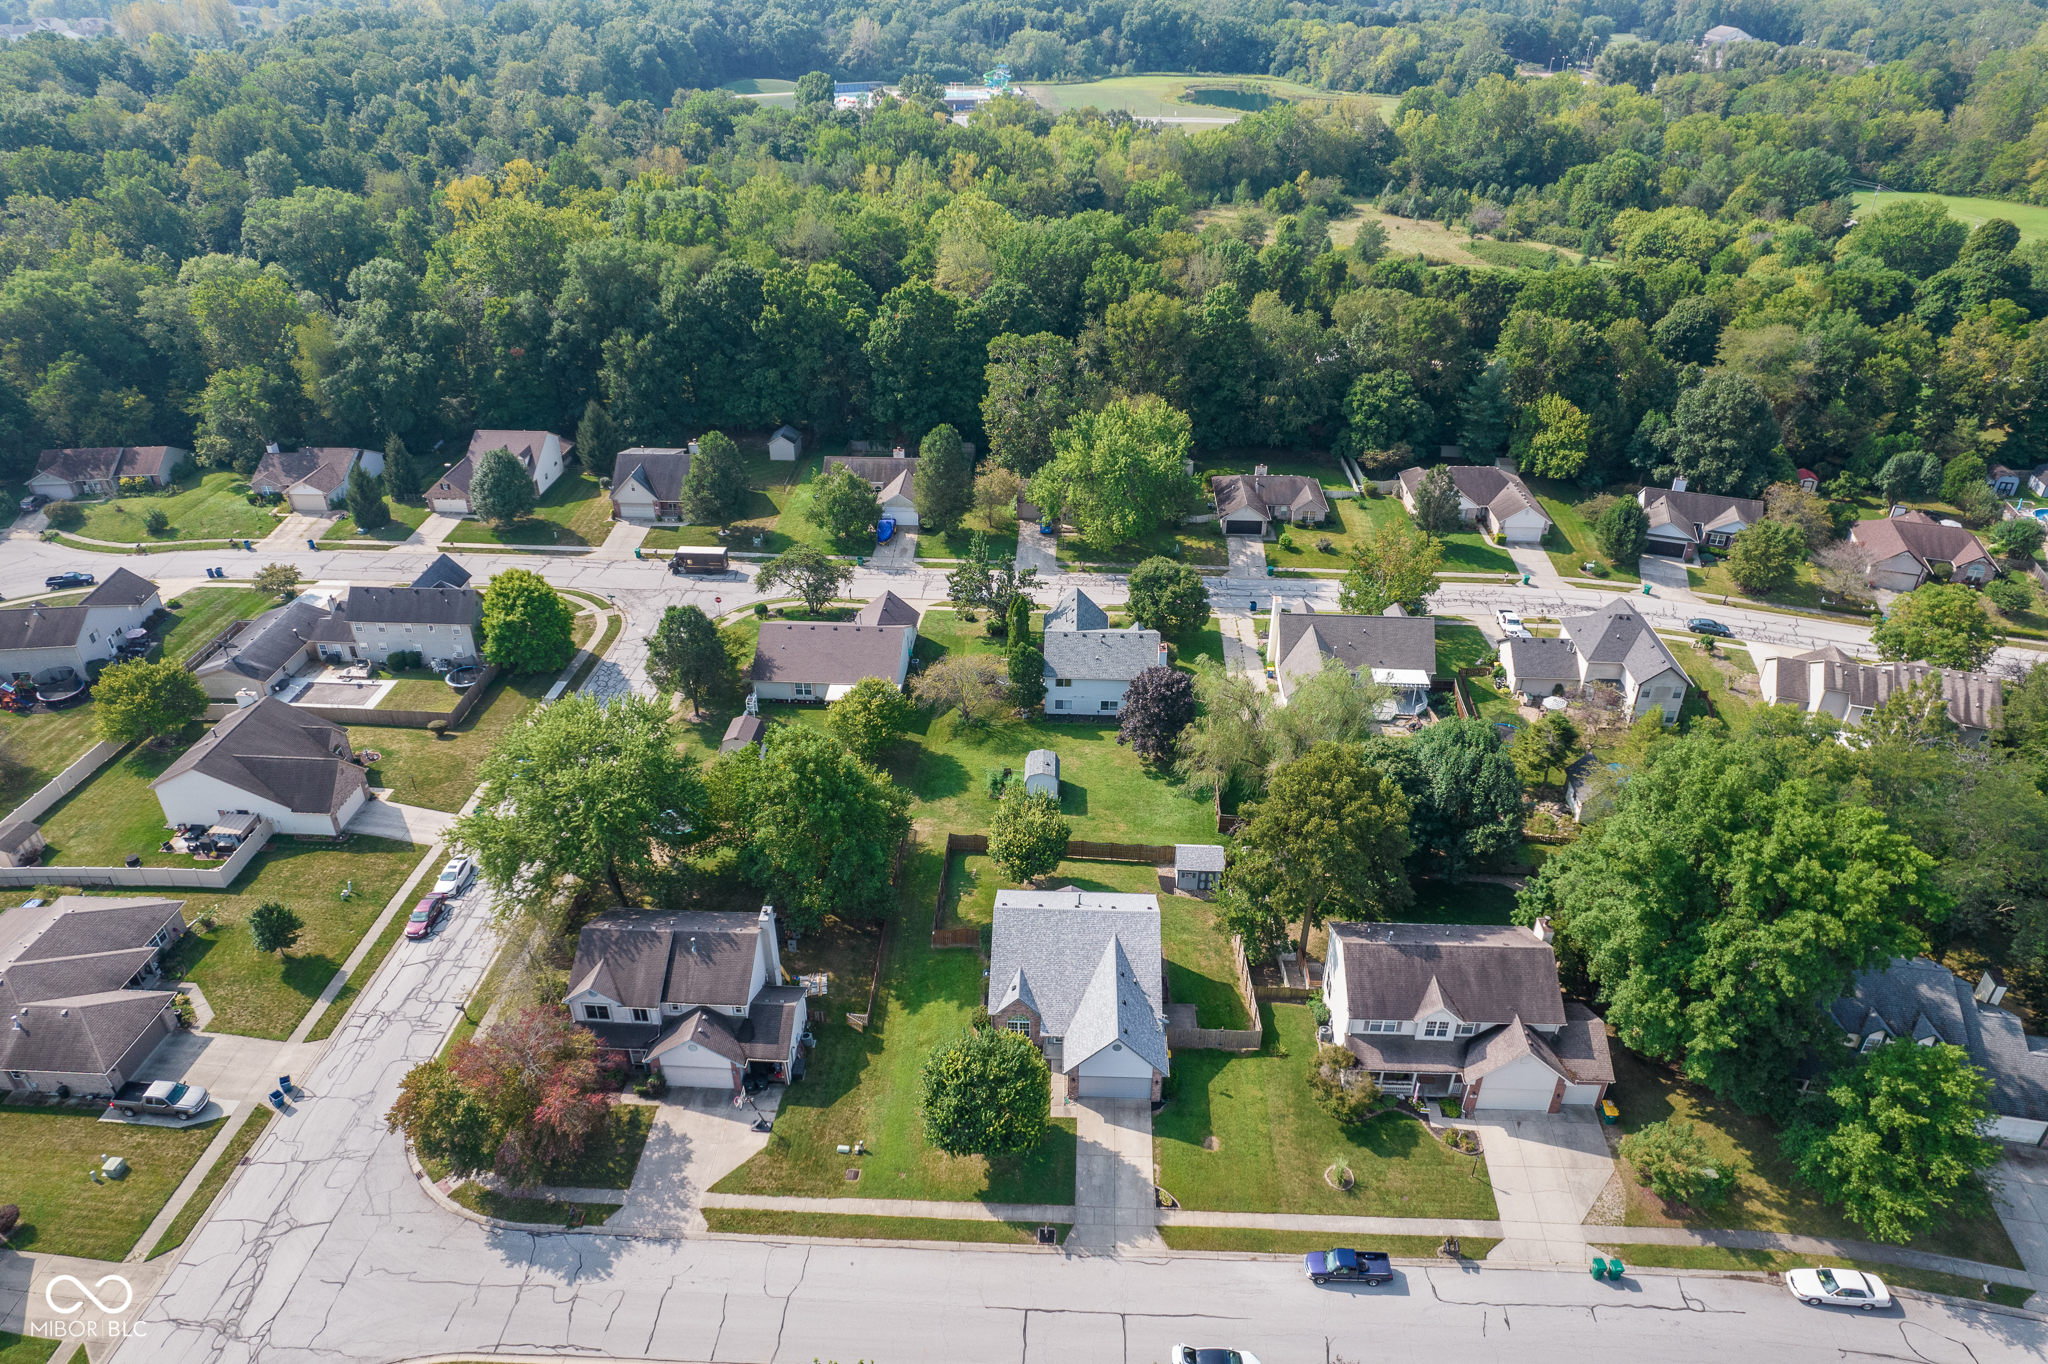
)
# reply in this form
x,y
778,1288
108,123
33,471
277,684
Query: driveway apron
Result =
x,y
1114,1209
1547,1171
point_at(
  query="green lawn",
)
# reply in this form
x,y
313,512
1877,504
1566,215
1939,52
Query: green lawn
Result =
x,y
49,1151
406,518
16,1349
35,748
115,815
1347,522
1804,594
511,1208
1776,1262
1465,551
757,1222
216,1179
441,773
1561,501
200,613
575,511
863,1086
2030,219
1711,678
1766,1196
215,506
418,689
1196,544
1459,645
1245,461
773,482
1274,1142
1253,1241
1001,544
1161,96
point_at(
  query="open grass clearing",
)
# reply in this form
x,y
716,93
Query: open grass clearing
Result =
x,y
575,511
1165,96
1465,551
1766,1196
959,543
203,612
50,1151
406,517
419,689
1410,237
440,772
842,1226
35,748
2030,219
213,506
216,1179
1256,1241
1519,255
1561,502
1199,544
1274,1142
1778,1261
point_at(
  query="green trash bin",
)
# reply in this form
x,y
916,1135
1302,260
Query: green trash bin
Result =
x,y
1599,1268
1269,570
1615,1269
1609,1114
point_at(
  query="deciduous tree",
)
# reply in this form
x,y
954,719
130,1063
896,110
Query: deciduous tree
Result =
x,y
1118,472
844,503
1393,562
1674,1160
542,1079
146,701
1027,838
1622,530
1158,705
975,685
986,1093
996,492
873,714
821,828
1766,557
1169,597
815,576
1550,745
944,485
1436,501
1939,623
278,578
274,927
527,625
1034,386
1469,805
686,655
1550,440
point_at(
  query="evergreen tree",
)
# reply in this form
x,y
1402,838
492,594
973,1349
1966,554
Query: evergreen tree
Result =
x,y
366,500
715,490
597,439
499,490
401,476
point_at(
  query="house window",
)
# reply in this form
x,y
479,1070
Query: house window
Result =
x,y
1873,1042
642,1016
598,1013
1050,1039
1436,1027
1382,1025
802,688
1109,705
1059,705
1017,1024
1063,681
1467,1029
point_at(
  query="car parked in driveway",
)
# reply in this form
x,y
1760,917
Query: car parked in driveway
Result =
x,y
1511,624
1348,1266
426,916
1838,1288
33,502
1700,625
73,579
885,530
455,877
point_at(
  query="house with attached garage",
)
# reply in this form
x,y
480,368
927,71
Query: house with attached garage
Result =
x,y
1682,523
1466,1011
1253,504
697,995
442,624
539,453
1611,646
260,656
83,1000
1490,498
1080,973
647,483
270,759
1089,667
1921,1002
66,475
312,481
894,480
803,660
1913,548
38,642
1396,650
1829,682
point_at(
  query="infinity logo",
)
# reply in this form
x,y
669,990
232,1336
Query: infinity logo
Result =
x,y
50,1295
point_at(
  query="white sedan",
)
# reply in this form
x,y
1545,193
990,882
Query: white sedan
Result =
x,y
1511,624
1838,1288
1188,1354
455,877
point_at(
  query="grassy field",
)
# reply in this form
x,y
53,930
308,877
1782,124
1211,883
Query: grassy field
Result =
x,y
441,772
1166,96
49,1151
406,517
1778,1261
1561,503
755,1222
1002,541
216,1179
1254,1241
773,484
1198,544
214,506
1274,1142
575,511
35,748
203,612
1198,965
1766,1196
1465,551
1519,255
2030,219
1410,237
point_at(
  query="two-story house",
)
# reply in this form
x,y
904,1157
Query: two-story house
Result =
x,y
1683,522
312,481
1468,1011
440,623
40,642
1830,682
1610,645
1088,666
539,453
697,995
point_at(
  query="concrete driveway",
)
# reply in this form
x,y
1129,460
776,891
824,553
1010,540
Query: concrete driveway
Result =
x,y
2022,1197
899,552
1547,1170
403,823
1114,1208
1247,556
698,1139
1666,575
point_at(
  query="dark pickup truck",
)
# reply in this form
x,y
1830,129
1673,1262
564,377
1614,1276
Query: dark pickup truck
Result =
x,y
168,1097
1349,1266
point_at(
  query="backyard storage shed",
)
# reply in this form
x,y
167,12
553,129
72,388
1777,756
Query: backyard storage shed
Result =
x,y
1197,865
786,444
1042,772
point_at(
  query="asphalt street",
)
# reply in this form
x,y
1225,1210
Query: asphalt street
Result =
x,y
324,1246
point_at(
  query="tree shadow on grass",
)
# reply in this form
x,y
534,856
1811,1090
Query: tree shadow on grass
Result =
x,y
307,976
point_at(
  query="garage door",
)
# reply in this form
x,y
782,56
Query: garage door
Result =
x,y
1244,528
1116,1086
1670,549
717,1075
1503,1090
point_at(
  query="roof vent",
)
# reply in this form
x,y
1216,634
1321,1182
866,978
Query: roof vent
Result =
x,y
693,944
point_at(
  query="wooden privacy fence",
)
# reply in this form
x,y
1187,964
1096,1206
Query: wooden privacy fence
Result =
x,y
181,878
1150,854
1227,1039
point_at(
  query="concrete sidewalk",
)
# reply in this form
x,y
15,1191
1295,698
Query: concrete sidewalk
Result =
x,y
900,1207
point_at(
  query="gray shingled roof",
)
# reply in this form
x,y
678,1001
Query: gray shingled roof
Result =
x,y
95,463
91,924
1502,494
1616,633
683,957
1051,946
1115,1008
1235,493
744,730
120,588
266,642
1482,973
1913,998
322,467
1921,536
1395,643
443,572
41,627
66,986
1504,1045
887,609
1682,511
1075,610
412,605
658,470
279,753
1552,660
892,477
1099,655
708,1030
1042,762
1975,700
64,977
82,1035
1198,857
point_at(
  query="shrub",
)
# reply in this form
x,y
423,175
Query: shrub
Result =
x,y
2009,594
65,515
10,1218
1672,1158
761,609
156,521
1287,542
437,727
1351,1103
655,1086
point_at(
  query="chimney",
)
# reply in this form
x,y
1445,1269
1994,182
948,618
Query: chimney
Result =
x,y
1163,656
693,944
1258,471
1541,928
1678,485
897,453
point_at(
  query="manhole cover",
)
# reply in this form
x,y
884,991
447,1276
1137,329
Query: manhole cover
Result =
x,y
852,1175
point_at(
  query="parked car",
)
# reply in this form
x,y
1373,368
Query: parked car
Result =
x,y
426,916
455,877
1700,625
885,529
73,579
1838,1288
168,1097
1348,1266
33,502
1511,624
1188,1354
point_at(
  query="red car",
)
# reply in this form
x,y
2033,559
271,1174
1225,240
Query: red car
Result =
x,y
426,916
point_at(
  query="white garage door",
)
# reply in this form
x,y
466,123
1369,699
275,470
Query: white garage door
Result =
x,y
1504,1089
1581,1094
715,1076
1116,1086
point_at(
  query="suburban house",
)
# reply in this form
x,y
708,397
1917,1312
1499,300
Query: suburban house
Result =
x,y
1612,644
1197,866
1490,498
442,623
2007,482
786,444
39,642
894,480
1251,504
312,481
1830,682
647,483
270,759
697,995
263,654
1397,650
66,475
538,452
887,609
1080,972
1089,667
1470,1011
1042,773
443,572
802,660
1682,523
1923,1002
81,997
1913,547
744,731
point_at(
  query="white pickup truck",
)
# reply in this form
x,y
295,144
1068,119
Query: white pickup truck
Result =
x,y
168,1097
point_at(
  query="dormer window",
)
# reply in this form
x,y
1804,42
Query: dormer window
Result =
x,y
598,1013
1436,1027
1873,1042
1467,1029
642,1016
